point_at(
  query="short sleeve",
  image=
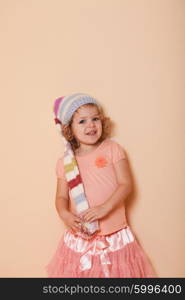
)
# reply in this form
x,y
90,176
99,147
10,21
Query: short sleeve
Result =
x,y
118,152
60,168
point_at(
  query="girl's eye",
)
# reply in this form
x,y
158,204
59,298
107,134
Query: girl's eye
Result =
x,y
94,119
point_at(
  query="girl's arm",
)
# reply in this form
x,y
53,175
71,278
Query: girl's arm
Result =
x,y
62,197
124,188
62,205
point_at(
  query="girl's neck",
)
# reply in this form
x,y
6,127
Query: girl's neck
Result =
x,y
84,148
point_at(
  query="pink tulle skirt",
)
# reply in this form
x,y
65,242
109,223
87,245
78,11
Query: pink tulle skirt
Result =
x,y
117,255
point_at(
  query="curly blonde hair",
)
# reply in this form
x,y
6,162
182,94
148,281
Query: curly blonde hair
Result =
x,y
66,130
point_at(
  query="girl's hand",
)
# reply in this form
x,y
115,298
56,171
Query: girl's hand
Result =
x,y
71,221
97,212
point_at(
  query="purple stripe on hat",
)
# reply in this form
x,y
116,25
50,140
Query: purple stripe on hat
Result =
x,y
56,105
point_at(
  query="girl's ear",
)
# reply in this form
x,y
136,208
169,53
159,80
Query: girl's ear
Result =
x,y
67,131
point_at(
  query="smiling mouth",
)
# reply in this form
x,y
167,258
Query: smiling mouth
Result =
x,y
92,132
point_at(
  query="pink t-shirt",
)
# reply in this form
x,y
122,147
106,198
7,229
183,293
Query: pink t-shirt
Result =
x,y
99,179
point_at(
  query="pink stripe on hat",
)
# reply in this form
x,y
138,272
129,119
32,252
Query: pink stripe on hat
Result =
x,y
56,105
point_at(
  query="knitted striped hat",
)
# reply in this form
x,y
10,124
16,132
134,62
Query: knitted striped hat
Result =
x,y
64,108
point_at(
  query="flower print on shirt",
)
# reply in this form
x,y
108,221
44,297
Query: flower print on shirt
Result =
x,y
100,162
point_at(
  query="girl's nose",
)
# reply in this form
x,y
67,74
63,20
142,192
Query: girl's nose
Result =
x,y
91,123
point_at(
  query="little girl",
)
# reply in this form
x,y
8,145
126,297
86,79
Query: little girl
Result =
x,y
93,182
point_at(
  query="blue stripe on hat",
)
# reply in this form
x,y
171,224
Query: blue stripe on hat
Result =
x,y
80,198
75,105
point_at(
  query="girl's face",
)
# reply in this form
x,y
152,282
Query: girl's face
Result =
x,y
86,125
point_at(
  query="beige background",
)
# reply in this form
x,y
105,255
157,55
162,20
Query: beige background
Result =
x,y
130,55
